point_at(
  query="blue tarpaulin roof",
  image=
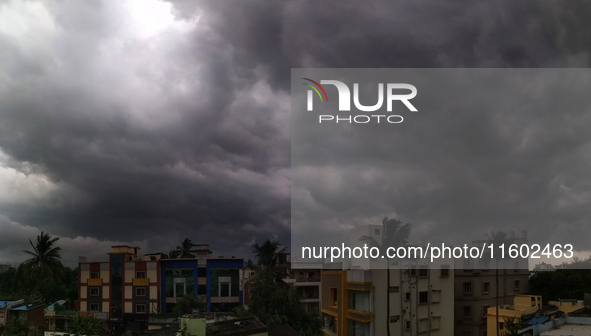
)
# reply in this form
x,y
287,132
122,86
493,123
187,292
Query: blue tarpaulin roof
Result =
x,y
537,320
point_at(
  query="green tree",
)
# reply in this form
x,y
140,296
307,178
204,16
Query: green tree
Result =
x,y
186,249
187,303
174,254
82,325
513,325
273,301
44,264
17,326
394,234
269,257
276,303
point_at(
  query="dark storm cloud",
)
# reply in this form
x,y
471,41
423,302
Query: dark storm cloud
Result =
x,y
185,132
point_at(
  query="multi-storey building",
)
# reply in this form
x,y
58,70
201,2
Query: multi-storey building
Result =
x,y
128,287
354,301
475,287
305,278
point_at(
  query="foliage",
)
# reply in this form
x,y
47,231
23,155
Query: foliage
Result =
x,y
41,278
276,303
513,325
83,325
268,255
187,303
185,250
127,333
45,259
17,326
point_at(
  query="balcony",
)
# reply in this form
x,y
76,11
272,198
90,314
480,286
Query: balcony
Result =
x,y
359,316
141,282
95,282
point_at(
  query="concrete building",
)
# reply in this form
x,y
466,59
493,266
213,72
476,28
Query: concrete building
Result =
x,y
56,319
475,288
530,307
353,301
128,287
307,282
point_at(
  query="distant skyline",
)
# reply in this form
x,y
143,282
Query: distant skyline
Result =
x,y
144,122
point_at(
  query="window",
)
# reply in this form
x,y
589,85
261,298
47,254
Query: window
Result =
x,y
407,325
94,307
94,275
501,326
377,232
407,296
444,271
423,297
517,285
435,322
153,258
484,333
140,308
467,311
140,275
394,289
436,296
467,288
485,310
423,325
423,271
413,270
311,275
94,291
394,319
332,297
251,273
485,287
301,275
140,291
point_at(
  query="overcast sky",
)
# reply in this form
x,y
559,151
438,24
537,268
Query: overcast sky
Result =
x,y
146,122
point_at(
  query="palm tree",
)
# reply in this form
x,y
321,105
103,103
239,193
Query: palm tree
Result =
x,y
268,253
498,239
268,258
186,250
394,234
173,254
45,262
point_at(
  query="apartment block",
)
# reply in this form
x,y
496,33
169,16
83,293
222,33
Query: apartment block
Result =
x,y
475,288
354,301
128,287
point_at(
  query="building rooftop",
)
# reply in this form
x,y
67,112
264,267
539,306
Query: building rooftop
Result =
x,y
27,306
3,303
52,306
570,330
237,327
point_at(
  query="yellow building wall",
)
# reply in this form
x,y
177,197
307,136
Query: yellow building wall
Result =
x,y
83,306
105,306
152,275
105,276
129,274
128,307
105,292
153,292
83,292
128,292
84,275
